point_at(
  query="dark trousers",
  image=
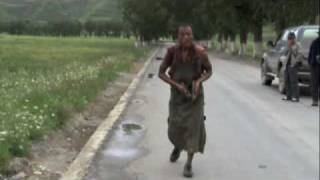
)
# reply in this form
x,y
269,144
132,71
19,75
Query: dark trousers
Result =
x,y
315,82
292,82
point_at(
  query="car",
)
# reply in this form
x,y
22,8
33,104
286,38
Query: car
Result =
x,y
271,61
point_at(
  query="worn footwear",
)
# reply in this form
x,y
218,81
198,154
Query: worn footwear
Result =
x,y
175,155
314,104
187,171
295,100
286,99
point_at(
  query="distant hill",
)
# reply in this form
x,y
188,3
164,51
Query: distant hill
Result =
x,y
47,10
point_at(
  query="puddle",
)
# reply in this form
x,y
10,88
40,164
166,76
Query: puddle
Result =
x,y
130,128
137,101
159,58
122,148
124,141
121,153
150,75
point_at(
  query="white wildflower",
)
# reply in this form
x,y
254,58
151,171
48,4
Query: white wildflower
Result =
x,y
3,133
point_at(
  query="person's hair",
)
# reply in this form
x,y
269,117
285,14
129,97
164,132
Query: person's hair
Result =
x,y
291,35
183,26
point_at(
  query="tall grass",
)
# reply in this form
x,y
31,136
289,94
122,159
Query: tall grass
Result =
x,y
44,79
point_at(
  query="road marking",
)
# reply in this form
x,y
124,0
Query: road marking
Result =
x,y
79,167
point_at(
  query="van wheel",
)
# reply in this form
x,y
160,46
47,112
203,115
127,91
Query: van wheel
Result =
x,y
265,79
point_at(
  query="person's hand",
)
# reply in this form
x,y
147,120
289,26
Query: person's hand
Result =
x,y
182,88
318,59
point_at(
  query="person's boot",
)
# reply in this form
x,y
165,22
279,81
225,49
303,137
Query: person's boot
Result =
x,y
187,171
175,155
286,99
295,100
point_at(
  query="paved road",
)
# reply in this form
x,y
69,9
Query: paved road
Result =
x,y
252,134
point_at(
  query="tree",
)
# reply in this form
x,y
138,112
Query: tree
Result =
x,y
65,28
196,13
147,18
244,15
286,13
225,23
16,27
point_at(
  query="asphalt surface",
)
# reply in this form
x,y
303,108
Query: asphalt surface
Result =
x,y
251,133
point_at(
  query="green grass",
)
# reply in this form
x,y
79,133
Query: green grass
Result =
x,y
44,79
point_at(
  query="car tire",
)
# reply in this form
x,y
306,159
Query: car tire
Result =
x,y
265,78
282,83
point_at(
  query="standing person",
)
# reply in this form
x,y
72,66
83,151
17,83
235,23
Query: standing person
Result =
x,y
314,62
189,68
292,63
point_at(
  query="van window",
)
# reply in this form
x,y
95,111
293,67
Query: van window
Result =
x,y
308,36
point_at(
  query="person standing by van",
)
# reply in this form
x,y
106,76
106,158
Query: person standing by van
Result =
x,y
292,63
314,62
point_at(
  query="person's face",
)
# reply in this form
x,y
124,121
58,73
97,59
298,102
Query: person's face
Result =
x,y
291,41
186,36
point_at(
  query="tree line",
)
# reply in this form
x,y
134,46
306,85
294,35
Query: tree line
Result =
x,y
151,20
226,19
64,28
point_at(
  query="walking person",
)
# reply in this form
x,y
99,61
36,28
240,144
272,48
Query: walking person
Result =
x,y
189,67
292,63
314,62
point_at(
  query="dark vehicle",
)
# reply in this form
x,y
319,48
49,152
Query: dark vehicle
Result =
x,y
271,62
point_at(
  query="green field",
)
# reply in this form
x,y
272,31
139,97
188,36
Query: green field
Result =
x,y
44,79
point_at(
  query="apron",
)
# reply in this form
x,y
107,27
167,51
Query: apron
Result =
x,y
186,116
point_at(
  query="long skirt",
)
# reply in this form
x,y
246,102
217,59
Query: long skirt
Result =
x,y
186,122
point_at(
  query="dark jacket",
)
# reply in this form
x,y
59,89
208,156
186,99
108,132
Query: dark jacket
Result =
x,y
314,52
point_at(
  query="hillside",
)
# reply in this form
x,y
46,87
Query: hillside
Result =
x,y
46,10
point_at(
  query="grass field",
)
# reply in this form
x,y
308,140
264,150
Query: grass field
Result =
x,y
44,79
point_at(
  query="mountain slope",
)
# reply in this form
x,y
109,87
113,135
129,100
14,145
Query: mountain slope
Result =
x,y
48,10
102,9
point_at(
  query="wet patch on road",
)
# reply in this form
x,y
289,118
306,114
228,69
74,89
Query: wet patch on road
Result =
x,y
121,148
159,58
130,128
150,75
137,101
140,100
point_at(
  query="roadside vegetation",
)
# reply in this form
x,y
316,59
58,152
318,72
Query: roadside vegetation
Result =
x,y
228,20
243,49
44,79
